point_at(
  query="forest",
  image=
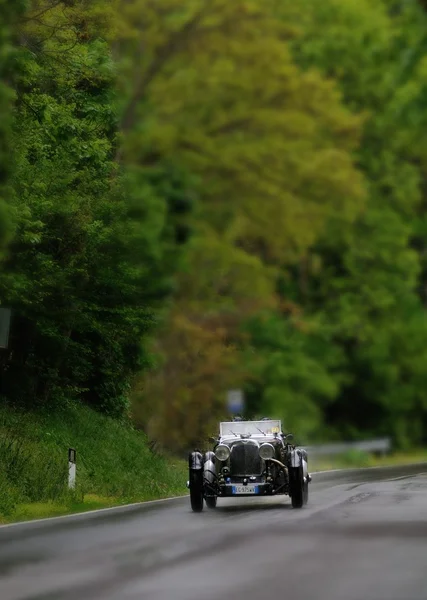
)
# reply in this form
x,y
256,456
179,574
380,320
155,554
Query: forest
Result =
x,y
203,195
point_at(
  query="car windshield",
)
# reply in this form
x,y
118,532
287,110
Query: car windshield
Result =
x,y
239,428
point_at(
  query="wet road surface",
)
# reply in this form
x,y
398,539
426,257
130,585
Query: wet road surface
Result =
x,y
363,536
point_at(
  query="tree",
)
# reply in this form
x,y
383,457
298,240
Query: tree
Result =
x,y
366,285
85,274
271,147
10,11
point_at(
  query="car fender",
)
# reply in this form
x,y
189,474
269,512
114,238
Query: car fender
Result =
x,y
209,472
298,458
195,461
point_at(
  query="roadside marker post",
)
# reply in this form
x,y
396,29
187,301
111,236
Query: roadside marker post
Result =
x,y
71,468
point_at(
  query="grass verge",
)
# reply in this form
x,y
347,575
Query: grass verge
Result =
x,y
357,459
115,465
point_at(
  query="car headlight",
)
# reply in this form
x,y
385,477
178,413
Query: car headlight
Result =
x,y
266,451
222,452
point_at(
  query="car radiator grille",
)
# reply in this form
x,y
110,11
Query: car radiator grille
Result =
x,y
245,460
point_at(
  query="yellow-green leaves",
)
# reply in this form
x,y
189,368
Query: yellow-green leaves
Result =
x,y
252,173
213,87
266,139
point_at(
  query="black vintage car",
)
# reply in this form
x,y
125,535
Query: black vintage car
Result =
x,y
249,458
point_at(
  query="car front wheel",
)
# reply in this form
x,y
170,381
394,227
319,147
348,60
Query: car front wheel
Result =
x,y
297,487
211,501
196,491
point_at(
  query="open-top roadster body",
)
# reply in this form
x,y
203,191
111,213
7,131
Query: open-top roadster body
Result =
x,y
249,458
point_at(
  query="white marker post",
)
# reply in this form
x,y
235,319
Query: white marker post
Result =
x,y
71,468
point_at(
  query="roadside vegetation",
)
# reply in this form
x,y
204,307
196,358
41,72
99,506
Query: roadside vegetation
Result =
x,y
357,459
198,196
114,464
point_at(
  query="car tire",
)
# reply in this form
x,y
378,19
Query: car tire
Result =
x,y
196,491
297,487
196,499
211,501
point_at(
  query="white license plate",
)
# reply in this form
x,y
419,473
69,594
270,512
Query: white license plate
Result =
x,y
245,489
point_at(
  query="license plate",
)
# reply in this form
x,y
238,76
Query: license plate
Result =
x,y
245,489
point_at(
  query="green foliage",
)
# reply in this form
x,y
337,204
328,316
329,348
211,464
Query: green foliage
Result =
x,y
9,10
96,242
271,147
114,462
366,290
292,373
218,194
307,133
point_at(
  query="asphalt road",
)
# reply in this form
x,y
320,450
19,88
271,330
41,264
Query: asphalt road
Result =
x,y
363,536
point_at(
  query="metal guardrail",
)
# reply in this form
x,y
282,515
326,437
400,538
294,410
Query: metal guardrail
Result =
x,y
382,445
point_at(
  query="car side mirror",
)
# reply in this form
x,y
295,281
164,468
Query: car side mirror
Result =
x,y
212,440
289,437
